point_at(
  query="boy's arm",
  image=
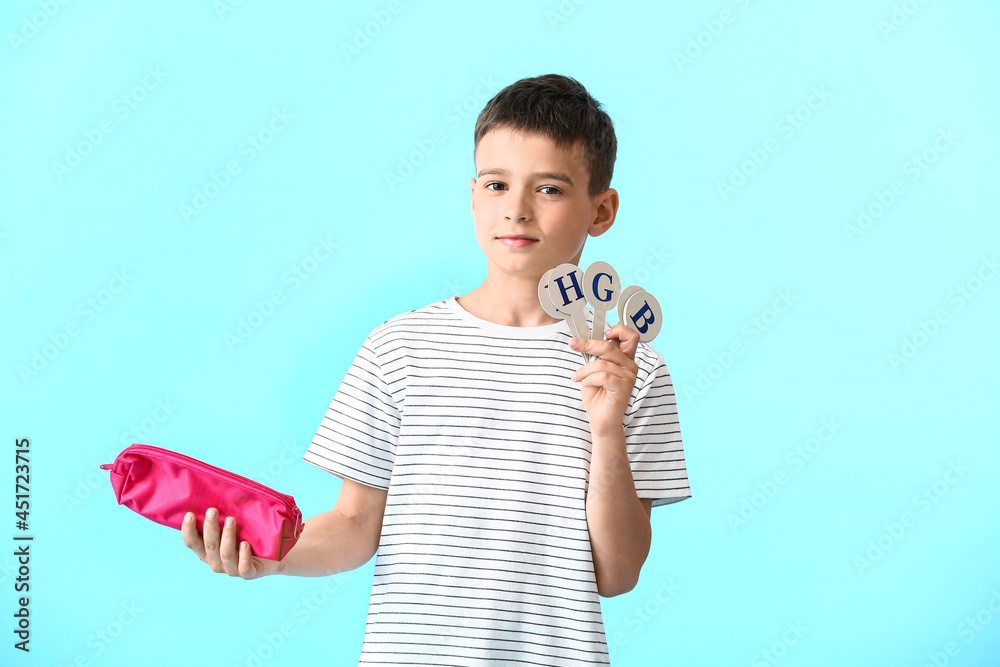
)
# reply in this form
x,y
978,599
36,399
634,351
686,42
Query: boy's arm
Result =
x,y
617,520
342,539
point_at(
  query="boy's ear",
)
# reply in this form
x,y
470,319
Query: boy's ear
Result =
x,y
605,210
472,192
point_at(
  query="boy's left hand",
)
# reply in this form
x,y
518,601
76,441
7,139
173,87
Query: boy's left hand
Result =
x,y
607,381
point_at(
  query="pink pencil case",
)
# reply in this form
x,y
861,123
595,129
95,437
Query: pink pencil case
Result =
x,y
163,486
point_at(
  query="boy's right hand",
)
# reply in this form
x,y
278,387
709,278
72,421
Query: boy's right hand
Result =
x,y
220,552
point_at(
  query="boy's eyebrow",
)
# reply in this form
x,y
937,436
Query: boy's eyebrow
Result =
x,y
556,176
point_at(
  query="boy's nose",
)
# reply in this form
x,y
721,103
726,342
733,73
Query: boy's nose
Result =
x,y
518,207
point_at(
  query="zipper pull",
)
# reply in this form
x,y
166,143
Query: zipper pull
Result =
x,y
105,466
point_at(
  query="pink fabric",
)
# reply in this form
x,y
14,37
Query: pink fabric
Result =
x,y
163,486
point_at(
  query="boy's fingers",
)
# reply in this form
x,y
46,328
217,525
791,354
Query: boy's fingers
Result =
x,y
598,379
227,547
628,338
210,533
245,566
598,366
596,348
607,350
192,539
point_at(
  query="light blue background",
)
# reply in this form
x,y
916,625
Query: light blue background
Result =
x,y
681,130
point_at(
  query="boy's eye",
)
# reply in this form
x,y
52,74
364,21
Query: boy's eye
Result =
x,y
496,186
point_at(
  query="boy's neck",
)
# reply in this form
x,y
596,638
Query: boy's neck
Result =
x,y
514,305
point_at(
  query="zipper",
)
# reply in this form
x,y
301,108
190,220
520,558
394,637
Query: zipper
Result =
x,y
159,452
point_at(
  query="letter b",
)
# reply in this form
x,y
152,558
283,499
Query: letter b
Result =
x,y
380,15
646,315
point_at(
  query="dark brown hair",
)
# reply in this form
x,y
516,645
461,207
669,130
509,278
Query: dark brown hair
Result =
x,y
562,109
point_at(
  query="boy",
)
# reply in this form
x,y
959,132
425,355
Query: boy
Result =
x,y
504,485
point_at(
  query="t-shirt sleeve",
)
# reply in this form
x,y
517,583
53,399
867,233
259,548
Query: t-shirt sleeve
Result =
x,y
653,439
357,438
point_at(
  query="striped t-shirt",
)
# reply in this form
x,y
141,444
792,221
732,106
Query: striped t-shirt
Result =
x,y
483,444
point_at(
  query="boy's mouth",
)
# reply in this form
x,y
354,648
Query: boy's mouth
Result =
x,y
516,240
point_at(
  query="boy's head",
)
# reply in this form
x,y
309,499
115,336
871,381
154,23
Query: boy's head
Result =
x,y
544,155
560,108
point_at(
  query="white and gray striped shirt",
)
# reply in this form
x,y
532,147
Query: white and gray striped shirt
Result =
x,y
483,444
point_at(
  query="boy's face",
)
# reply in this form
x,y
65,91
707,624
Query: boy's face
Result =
x,y
527,186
